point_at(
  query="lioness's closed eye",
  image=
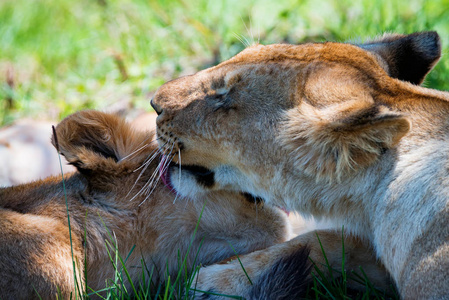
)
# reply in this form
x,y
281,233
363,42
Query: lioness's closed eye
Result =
x,y
327,129
116,192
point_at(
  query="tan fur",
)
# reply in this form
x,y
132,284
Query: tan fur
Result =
x,y
329,129
104,196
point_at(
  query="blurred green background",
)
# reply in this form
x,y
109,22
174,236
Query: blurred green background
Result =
x,y
58,56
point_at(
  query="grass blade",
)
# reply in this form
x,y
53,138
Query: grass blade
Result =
x,y
240,262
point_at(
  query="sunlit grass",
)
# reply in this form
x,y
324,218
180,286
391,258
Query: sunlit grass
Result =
x,y
59,56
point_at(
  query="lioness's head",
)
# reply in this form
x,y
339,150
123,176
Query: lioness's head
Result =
x,y
320,111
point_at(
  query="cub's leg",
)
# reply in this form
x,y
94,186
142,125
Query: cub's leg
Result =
x,y
284,270
35,257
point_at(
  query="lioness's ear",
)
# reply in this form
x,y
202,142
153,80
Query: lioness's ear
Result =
x,y
336,142
408,57
93,140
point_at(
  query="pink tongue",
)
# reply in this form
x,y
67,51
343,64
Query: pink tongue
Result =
x,y
163,173
286,211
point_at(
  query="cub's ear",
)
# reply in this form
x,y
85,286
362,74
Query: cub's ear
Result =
x,y
336,142
407,57
95,141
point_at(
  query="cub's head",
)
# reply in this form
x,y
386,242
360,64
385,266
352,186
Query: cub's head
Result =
x,y
320,111
106,150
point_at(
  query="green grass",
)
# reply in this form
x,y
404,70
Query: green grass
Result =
x,y
324,286
58,56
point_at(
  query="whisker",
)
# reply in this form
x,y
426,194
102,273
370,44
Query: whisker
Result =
x,y
154,180
240,39
144,166
251,30
134,152
139,149
150,157
166,163
156,172
247,43
137,180
248,31
244,24
179,175
151,185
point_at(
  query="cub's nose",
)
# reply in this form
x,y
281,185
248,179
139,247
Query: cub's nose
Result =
x,y
157,108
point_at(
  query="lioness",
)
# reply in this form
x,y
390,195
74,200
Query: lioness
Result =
x,y
326,129
116,193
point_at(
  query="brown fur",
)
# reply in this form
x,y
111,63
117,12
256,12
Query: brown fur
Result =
x,y
328,129
104,201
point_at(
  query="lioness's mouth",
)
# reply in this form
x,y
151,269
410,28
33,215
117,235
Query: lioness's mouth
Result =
x,y
202,175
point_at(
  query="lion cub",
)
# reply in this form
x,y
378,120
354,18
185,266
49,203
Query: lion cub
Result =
x,y
116,196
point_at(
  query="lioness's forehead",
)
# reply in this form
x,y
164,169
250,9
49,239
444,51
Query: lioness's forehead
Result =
x,y
282,63
305,53
272,66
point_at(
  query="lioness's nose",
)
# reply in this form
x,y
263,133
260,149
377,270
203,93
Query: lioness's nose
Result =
x,y
157,108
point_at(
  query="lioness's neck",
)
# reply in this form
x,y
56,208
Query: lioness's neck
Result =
x,y
374,202
346,201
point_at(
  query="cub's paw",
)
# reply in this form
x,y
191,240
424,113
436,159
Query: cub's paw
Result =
x,y
263,276
221,280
